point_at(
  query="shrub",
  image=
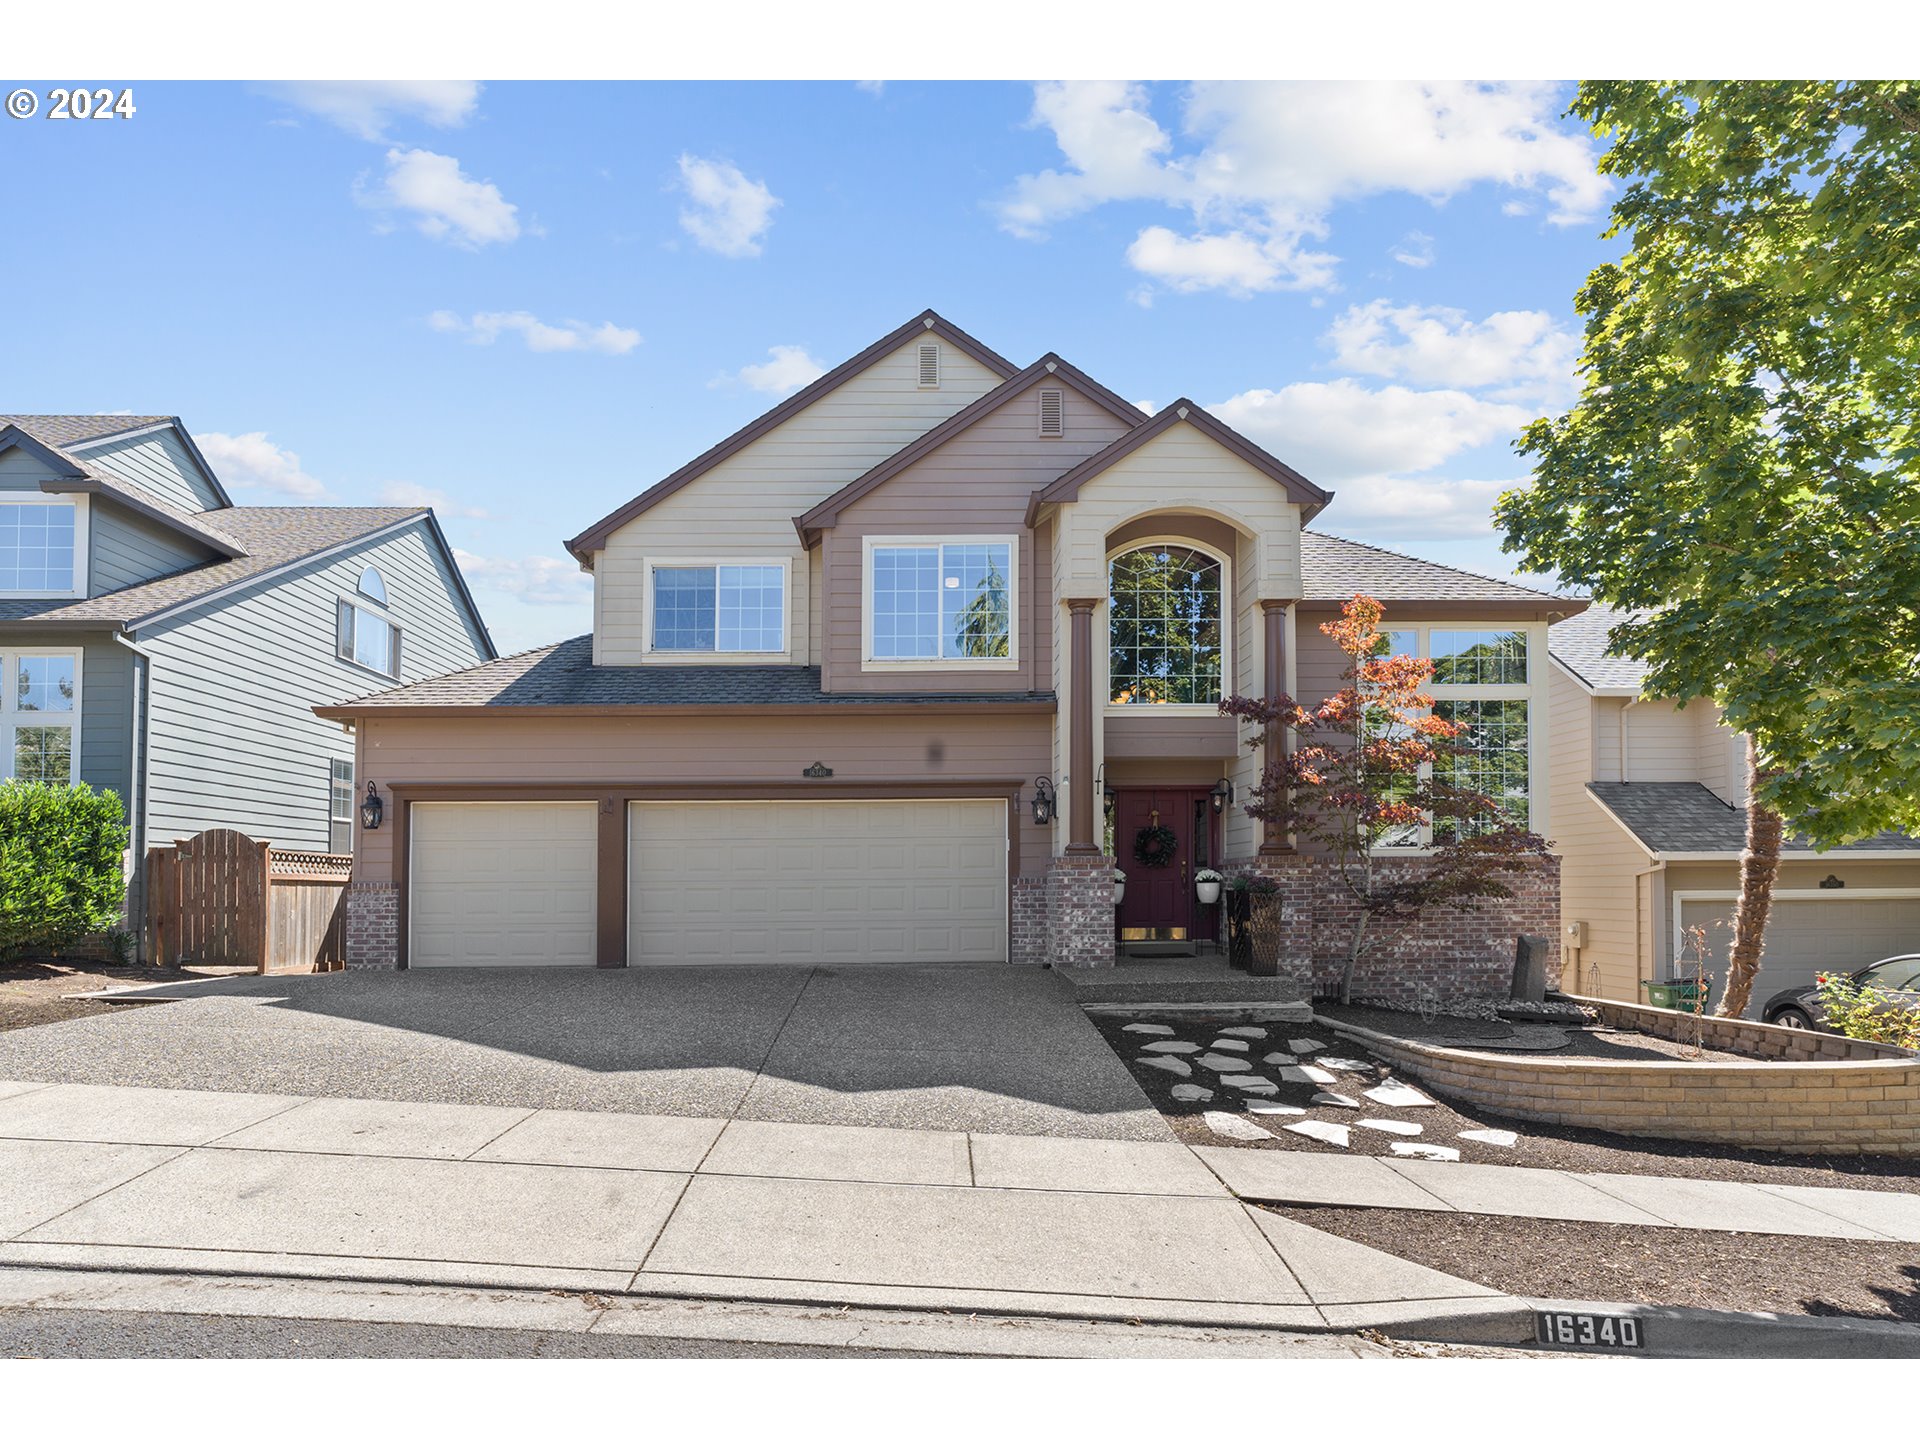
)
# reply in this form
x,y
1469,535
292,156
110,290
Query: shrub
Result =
x,y
61,875
1861,1012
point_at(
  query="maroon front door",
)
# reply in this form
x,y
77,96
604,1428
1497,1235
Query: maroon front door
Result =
x,y
1159,901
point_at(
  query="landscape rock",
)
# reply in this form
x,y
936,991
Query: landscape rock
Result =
x,y
1273,1107
1230,1045
1323,1131
1411,1151
1397,1093
1234,1127
1254,1084
1171,1047
1343,1102
1249,1032
1392,1127
1169,1063
1304,1047
1191,1093
1144,1029
1223,1062
1305,1075
1491,1137
1336,1062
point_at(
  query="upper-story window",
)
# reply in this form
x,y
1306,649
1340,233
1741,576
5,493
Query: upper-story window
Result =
x,y
372,586
39,550
720,609
363,632
941,601
39,716
1167,644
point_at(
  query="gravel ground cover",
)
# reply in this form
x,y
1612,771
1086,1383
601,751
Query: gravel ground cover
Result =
x,y
1441,1123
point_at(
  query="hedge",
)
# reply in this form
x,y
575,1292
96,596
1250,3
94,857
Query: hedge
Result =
x,y
61,858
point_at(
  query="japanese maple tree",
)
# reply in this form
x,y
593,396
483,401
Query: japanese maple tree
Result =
x,y
1371,765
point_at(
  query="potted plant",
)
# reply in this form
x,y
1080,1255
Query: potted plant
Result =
x,y
1119,886
1206,886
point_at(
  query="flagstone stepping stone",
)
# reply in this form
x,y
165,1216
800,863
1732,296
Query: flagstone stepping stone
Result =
x,y
1192,1092
1392,1127
1323,1131
1305,1075
1273,1107
1249,1032
1412,1151
1335,1062
1223,1062
1490,1137
1256,1084
1304,1047
1344,1102
1234,1127
1396,1093
1149,1029
1230,1045
1168,1063
1171,1047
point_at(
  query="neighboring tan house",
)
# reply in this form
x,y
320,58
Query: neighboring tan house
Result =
x,y
866,677
1649,819
161,642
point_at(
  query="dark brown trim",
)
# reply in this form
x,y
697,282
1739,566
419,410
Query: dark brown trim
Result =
x,y
1067,488
610,887
1547,607
350,711
1047,367
926,322
1275,832
1080,730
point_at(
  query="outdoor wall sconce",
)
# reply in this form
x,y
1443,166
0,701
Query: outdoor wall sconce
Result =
x,y
371,809
1222,794
1107,797
1046,804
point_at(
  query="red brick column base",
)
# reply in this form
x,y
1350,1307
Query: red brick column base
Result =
x,y
1030,942
1080,910
373,927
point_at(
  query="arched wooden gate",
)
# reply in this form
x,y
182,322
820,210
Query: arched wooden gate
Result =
x,y
224,898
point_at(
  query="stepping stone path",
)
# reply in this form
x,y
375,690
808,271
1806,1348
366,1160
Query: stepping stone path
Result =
x,y
1255,1084
1171,1047
1397,1094
1273,1107
1235,1127
1224,1062
1344,1102
1230,1045
1191,1093
1392,1127
1491,1137
1305,1075
1304,1047
1168,1063
1412,1151
1334,1062
1322,1131
1249,1032
1149,1029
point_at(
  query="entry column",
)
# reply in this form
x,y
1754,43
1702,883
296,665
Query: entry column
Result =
x,y
1276,836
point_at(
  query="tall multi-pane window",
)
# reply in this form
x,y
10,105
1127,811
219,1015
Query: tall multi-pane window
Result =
x,y
731,609
37,547
1165,637
39,716
941,601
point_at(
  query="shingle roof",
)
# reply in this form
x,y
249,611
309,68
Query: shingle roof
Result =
x,y
1686,818
1334,569
274,536
1580,644
565,675
78,429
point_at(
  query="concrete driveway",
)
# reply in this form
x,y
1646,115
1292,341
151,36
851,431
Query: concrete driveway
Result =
x,y
994,1049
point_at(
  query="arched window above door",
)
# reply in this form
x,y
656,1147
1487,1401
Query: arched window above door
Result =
x,y
1166,638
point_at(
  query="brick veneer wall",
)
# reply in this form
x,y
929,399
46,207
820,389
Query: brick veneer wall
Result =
x,y
1443,958
373,926
1080,910
1747,1037
1842,1107
1030,941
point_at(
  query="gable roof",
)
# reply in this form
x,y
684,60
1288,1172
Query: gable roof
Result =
x,y
1333,569
1183,411
1579,644
1680,818
925,323
1048,367
72,475
77,432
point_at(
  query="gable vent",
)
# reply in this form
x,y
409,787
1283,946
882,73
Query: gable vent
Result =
x,y
1053,414
929,367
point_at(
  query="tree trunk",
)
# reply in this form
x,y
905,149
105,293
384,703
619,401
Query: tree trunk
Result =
x,y
1759,864
1353,958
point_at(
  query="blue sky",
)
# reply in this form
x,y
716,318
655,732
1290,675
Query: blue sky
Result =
x,y
527,302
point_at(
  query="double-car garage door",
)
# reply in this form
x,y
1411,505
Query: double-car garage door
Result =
x,y
1806,937
712,882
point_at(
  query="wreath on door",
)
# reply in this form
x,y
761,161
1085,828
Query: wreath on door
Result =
x,y
1154,846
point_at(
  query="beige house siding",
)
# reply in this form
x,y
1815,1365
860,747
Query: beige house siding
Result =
x,y
743,508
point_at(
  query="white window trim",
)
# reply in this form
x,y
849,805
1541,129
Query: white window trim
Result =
x,y
717,655
82,551
379,612
10,720
1228,623
893,666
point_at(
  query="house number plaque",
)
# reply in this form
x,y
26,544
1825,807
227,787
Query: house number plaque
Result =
x,y
817,771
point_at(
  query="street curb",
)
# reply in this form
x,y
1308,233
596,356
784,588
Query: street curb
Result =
x,y
1683,1332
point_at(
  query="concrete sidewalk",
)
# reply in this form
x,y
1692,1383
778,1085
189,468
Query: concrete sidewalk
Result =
x,y
1292,1178
104,1178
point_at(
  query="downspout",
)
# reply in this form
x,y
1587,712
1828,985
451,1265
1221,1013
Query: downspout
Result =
x,y
137,786
1643,960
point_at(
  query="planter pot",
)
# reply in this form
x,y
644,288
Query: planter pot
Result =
x,y
1239,941
1119,890
1207,892
1264,923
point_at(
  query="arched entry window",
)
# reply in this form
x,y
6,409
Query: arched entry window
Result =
x,y
1165,646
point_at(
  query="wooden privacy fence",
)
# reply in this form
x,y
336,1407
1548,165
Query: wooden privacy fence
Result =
x,y
223,898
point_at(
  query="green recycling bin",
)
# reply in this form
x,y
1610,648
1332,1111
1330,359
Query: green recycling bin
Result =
x,y
1688,995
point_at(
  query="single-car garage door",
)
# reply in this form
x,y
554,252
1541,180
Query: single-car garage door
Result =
x,y
833,881
1806,937
507,883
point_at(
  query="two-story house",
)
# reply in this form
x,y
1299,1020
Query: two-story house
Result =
x,y
884,675
1649,819
161,642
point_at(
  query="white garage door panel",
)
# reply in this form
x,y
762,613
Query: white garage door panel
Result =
x,y
1806,937
508,883
837,881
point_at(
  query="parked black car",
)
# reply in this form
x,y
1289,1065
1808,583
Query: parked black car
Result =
x,y
1801,1009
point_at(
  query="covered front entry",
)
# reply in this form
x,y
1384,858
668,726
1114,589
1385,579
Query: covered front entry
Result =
x,y
757,882
1159,905
1804,938
501,883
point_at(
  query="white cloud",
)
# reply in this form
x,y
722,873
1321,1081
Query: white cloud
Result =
x,y
1266,163
1520,354
871,87
1415,249
727,213
367,107
446,203
790,369
534,579
606,338
405,492
253,462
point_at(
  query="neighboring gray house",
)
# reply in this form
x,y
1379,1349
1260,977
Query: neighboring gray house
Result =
x,y
159,641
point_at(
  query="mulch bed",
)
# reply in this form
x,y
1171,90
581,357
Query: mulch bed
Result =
x,y
1598,1042
1546,1147
1574,1260
34,993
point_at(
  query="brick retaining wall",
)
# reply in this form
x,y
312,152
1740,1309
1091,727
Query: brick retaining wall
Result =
x,y
1841,1107
1747,1037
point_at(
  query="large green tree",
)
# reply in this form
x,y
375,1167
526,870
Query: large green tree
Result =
x,y
1742,462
